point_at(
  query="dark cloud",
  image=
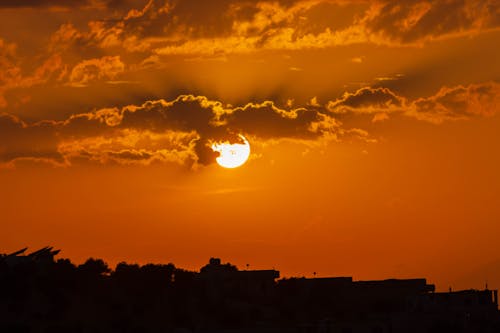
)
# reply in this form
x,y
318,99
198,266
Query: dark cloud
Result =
x,y
21,140
92,70
455,103
181,130
416,21
268,121
212,27
149,33
461,102
45,3
367,100
177,131
74,4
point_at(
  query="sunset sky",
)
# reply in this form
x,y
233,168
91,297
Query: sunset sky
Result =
x,y
374,129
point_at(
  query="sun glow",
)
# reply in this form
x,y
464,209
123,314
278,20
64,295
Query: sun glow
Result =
x,y
232,155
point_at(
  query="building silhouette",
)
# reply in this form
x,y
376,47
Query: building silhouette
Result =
x,y
42,294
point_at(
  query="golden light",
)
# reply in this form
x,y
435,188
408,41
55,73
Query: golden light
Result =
x,y
232,155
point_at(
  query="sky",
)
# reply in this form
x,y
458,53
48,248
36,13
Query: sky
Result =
x,y
374,129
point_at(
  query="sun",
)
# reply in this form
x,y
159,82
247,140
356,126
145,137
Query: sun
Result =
x,y
232,155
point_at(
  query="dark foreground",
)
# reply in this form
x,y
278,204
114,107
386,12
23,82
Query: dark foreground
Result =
x,y
41,294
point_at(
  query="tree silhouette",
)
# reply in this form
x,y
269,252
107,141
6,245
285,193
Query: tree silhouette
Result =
x,y
94,267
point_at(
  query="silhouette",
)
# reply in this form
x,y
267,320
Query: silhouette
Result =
x,y
41,294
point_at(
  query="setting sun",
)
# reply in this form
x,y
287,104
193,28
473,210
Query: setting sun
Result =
x,y
232,155
125,134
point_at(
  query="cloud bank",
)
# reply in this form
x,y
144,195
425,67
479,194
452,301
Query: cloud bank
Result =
x,y
180,131
191,27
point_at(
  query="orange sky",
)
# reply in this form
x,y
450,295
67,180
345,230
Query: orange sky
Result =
x,y
374,129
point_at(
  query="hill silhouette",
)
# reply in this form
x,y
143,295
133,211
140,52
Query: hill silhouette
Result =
x,y
42,294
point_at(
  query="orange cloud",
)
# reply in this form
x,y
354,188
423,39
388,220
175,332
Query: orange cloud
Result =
x,y
367,100
188,28
9,70
179,130
133,147
12,75
105,68
455,103
66,5
156,131
408,22
149,33
461,102
48,3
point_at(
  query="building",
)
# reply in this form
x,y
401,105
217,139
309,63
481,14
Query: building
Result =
x,y
225,279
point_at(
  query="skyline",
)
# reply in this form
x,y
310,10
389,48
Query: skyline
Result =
x,y
221,298
373,128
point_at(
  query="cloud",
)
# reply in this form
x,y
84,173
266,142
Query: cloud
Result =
x,y
180,130
456,103
62,4
88,71
194,28
135,35
41,3
24,141
156,131
367,100
127,147
413,21
11,72
92,137
9,69
449,103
